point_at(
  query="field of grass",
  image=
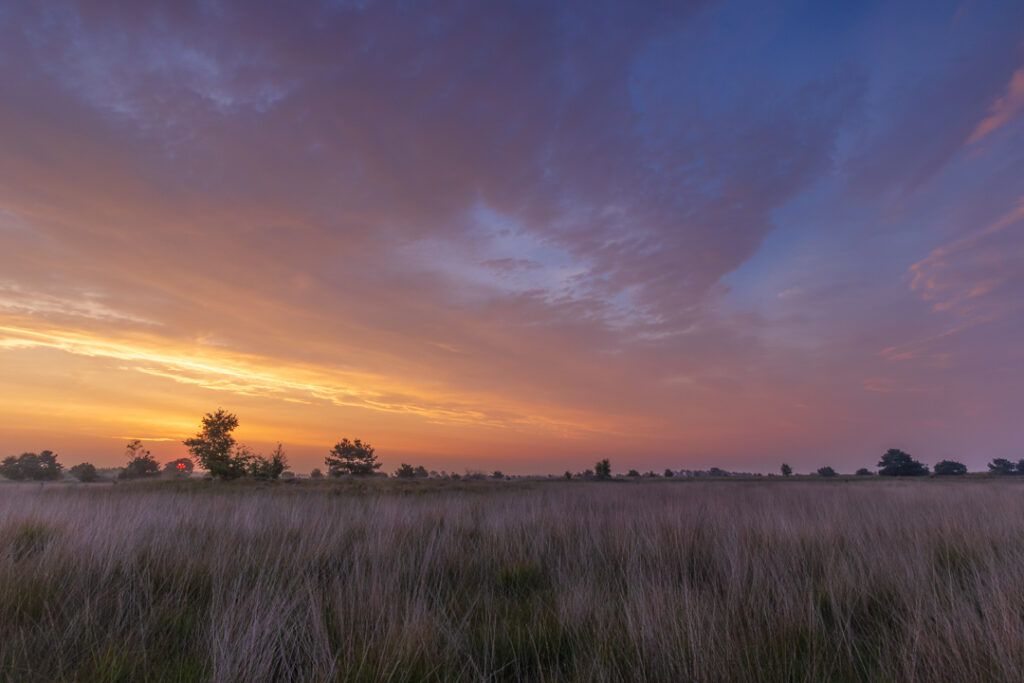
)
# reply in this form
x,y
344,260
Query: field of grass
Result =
x,y
660,581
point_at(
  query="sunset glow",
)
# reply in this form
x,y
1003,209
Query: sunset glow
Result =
x,y
516,236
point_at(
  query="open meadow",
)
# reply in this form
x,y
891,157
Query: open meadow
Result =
x,y
584,581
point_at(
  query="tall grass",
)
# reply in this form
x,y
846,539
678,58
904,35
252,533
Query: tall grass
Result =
x,y
664,581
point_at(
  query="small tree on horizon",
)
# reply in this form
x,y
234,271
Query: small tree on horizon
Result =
x,y
405,471
603,469
214,446
864,472
352,457
84,472
316,474
632,473
826,471
896,463
31,466
271,467
786,470
669,473
1000,466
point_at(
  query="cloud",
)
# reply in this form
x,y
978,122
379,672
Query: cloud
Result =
x,y
1003,110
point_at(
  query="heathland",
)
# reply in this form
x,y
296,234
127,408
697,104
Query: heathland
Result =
x,y
658,580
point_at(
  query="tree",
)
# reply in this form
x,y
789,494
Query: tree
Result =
x,y
351,457
141,462
41,467
214,446
405,471
269,468
632,473
567,475
316,474
603,469
182,467
949,467
669,473
896,463
1000,466
786,470
826,471
84,472
421,472
497,474
863,472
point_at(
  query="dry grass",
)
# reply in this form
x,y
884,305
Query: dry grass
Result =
x,y
668,581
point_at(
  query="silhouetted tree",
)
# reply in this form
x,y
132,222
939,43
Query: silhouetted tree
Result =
x,y
270,467
568,474
949,467
31,466
786,470
826,471
632,473
864,472
405,471
421,472
182,467
214,446
351,457
603,469
669,473
896,463
141,462
717,472
84,472
497,474
316,474
1000,466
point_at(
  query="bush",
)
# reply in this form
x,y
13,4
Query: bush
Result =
x,y
632,473
669,473
182,467
896,463
269,468
1000,466
786,470
826,471
30,466
352,457
497,474
316,474
864,472
84,472
405,471
141,463
950,467
603,469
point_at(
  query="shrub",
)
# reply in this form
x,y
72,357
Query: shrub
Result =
x,y
896,463
316,474
826,471
632,473
786,470
182,467
141,463
669,473
405,471
603,469
864,472
950,467
351,457
84,472
1000,466
497,474
269,468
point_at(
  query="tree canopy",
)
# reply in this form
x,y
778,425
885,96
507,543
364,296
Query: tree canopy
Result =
x,y
214,446
351,457
896,463
31,466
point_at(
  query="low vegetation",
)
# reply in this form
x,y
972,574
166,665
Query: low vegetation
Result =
x,y
427,579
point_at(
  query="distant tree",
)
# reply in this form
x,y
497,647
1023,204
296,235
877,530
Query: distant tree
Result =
x,y
182,467
141,463
405,471
632,473
1000,466
864,472
603,469
949,467
568,474
717,472
84,472
36,467
215,449
1020,466
669,473
786,470
497,474
269,467
826,471
421,472
316,474
352,457
896,463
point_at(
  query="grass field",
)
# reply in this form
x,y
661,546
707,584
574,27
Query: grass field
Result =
x,y
652,580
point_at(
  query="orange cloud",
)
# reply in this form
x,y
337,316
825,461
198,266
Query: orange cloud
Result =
x,y
1003,110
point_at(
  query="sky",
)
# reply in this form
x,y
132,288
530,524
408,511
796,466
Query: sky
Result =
x,y
518,236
